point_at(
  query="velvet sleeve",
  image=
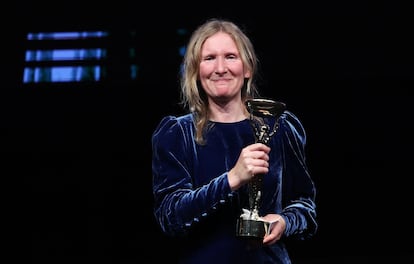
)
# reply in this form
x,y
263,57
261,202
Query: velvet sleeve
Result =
x,y
298,202
178,204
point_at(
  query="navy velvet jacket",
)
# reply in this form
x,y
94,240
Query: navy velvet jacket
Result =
x,y
193,201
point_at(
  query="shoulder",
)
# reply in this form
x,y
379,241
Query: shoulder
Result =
x,y
173,125
291,126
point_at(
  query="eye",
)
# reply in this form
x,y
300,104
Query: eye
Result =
x,y
207,58
231,57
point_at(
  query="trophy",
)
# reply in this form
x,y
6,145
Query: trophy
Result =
x,y
249,224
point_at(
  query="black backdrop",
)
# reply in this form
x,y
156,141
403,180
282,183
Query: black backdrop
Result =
x,y
81,153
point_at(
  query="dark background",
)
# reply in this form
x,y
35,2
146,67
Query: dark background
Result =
x,y
81,153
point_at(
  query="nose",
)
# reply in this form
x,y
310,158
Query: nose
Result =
x,y
221,66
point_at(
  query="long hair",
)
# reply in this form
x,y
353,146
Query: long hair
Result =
x,y
193,96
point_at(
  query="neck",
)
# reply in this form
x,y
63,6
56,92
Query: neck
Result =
x,y
228,113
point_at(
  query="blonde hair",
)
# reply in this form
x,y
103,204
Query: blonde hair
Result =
x,y
192,95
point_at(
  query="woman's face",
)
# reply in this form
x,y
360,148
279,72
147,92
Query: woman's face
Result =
x,y
221,69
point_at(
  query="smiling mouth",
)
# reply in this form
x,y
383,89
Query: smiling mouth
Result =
x,y
220,79
221,82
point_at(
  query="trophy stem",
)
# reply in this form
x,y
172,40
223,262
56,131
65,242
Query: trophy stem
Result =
x,y
254,187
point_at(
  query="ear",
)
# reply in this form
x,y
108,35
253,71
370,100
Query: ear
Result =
x,y
247,74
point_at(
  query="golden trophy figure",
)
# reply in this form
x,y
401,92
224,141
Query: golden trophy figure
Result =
x,y
249,224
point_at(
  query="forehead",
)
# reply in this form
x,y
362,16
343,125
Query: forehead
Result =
x,y
218,42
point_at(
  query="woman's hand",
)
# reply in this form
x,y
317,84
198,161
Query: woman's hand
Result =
x,y
253,160
277,228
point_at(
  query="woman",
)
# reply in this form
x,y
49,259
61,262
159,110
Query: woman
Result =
x,y
203,160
